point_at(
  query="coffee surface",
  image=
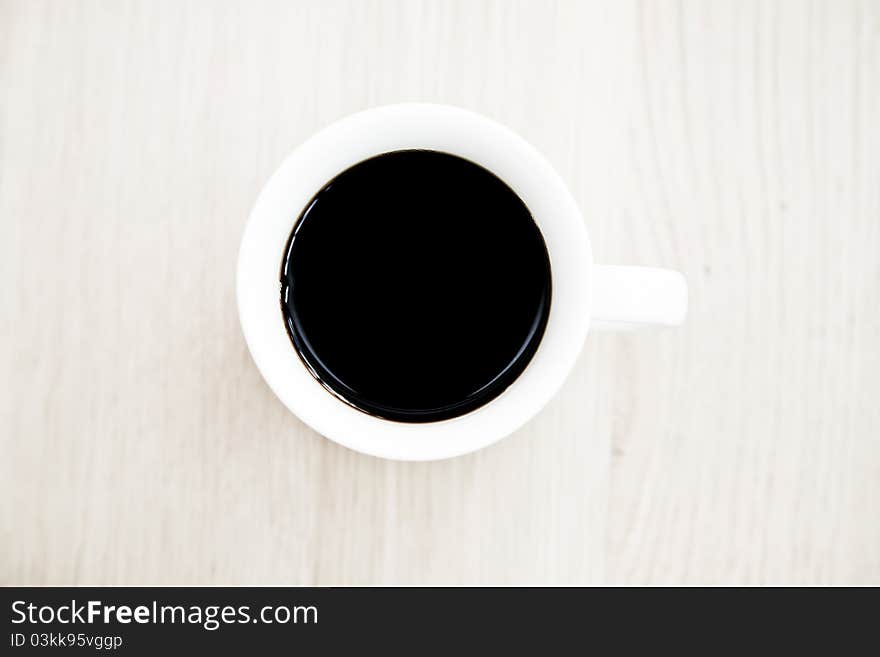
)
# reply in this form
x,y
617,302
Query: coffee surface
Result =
x,y
416,286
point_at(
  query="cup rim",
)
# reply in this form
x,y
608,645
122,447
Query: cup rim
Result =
x,y
400,127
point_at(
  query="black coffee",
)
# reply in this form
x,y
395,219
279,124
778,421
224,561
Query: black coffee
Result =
x,y
416,286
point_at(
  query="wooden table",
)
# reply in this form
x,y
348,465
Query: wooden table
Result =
x,y
736,141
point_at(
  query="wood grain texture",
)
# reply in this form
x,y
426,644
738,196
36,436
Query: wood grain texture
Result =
x,y
735,141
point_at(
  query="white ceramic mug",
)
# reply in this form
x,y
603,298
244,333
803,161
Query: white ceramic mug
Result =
x,y
584,294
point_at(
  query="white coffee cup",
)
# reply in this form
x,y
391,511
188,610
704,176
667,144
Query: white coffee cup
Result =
x,y
584,295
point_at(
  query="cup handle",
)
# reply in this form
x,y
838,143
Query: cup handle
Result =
x,y
629,298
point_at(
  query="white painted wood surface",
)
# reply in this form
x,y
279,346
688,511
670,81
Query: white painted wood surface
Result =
x,y
736,141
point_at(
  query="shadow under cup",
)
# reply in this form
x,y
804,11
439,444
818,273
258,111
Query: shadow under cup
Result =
x,y
416,286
